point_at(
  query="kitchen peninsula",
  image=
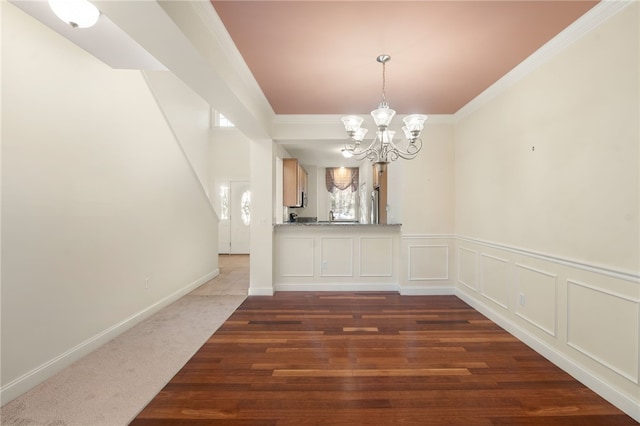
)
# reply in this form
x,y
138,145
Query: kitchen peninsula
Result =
x,y
336,256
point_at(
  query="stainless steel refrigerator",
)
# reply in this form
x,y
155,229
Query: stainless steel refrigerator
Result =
x,y
375,206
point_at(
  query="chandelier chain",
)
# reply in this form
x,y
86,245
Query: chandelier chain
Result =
x,y
384,81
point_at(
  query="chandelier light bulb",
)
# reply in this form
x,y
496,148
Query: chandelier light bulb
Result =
x,y
352,122
77,13
415,121
383,116
407,133
386,136
359,135
347,153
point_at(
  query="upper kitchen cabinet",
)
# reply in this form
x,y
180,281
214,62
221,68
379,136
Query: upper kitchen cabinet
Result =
x,y
294,183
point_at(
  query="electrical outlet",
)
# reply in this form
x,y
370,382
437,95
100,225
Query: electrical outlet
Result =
x,y
324,265
522,299
146,283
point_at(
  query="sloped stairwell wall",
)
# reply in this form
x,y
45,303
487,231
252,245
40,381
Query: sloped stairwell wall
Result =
x,y
189,118
103,219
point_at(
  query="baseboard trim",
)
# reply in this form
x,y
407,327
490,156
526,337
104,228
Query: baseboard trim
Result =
x,y
624,402
427,291
41,373
260,291
338,287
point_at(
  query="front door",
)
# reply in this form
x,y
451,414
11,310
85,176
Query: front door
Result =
x,y
233,205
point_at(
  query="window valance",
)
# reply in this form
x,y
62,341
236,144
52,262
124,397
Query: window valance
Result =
x,y
341,178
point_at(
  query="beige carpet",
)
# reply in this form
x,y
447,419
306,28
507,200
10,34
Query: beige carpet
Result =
x,y
112,384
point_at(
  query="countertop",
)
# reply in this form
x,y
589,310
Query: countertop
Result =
x,y
334,224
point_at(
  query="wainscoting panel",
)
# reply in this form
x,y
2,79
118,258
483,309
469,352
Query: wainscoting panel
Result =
x,y
337,257
299,259
468,268
494,279
428,262
376,254
583,317
604,326
537,298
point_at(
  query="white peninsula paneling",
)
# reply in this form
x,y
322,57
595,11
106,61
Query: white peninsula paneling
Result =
x,y
324,257
299,259
376,256
337,257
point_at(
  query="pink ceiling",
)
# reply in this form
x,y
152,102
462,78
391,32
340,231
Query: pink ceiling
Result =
x,y
318,57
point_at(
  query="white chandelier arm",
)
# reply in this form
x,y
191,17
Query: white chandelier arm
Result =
x,y
371,155
411,151
359,154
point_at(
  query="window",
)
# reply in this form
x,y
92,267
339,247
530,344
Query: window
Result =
x,y
343,204
222,121
342,184
224,202
245,207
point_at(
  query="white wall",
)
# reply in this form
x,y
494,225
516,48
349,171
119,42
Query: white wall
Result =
x,y
263,158
189,117
228,155
228,160
546,209
97,197
577,194
421,191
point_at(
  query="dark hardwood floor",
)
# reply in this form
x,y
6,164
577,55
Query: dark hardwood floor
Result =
x,y
370,359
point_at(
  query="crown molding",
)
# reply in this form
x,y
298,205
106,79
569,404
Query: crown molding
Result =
x,y
581,27
205,10
334,119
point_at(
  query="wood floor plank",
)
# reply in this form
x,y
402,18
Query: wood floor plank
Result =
x,y
376,358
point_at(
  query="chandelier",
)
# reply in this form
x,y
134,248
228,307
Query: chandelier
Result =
x,y
383,149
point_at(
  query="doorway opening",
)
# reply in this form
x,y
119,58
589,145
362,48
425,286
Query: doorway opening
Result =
x,y
233,205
